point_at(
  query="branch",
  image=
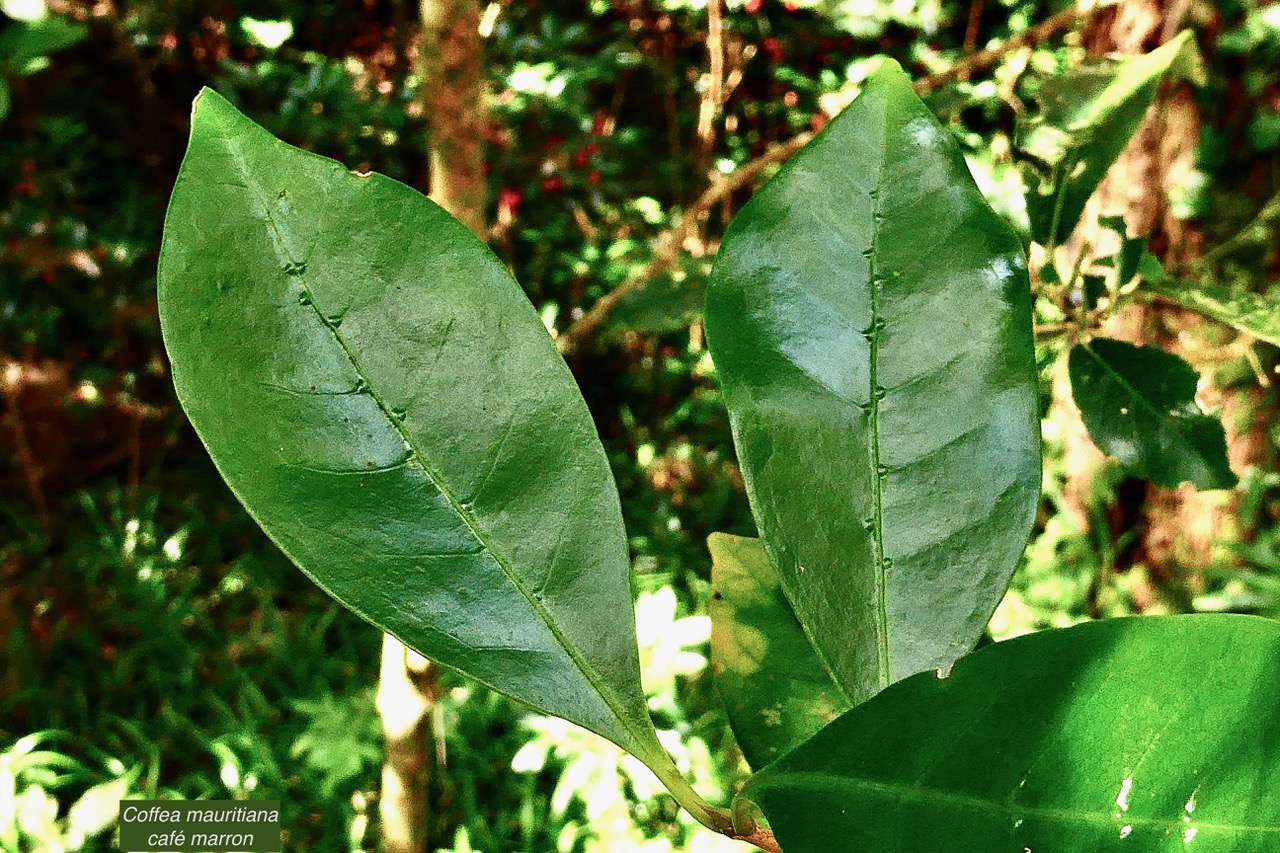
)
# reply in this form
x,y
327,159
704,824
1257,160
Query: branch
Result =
x,y
670,243
983,59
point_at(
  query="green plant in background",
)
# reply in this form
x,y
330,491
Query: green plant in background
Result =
x,y
35,772
381,396
26,45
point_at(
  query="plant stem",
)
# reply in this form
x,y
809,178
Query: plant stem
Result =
x,y
715,819
738,824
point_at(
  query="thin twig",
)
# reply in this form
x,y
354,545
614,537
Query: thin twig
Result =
x,y
713,94
1046,29
669,244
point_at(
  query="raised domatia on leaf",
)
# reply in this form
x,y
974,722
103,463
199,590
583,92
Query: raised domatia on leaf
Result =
x,y
1146,734
384,400
870,319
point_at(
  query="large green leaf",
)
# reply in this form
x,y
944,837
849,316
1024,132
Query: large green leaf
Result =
x,y
384,400
870,319
1140,734
774,688
1139,406
1087,116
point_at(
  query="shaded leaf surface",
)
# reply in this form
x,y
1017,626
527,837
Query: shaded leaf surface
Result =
x,y
1140,734
384,400
1139,406
775,690
1087,117
870,319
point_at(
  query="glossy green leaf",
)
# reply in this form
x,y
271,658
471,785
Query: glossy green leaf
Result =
x,y
1139,734
1139,406
775,690
870,319
1251,313
384,400
1087,116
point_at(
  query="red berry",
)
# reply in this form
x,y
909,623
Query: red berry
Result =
x,y
509,201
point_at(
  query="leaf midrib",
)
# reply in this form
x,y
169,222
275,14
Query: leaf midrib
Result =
x,y
873,419
588,672
807,782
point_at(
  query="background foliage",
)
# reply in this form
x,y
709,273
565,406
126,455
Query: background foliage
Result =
x,y
154,642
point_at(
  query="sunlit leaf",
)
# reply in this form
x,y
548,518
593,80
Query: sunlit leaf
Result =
x,y
1087,116
1251,313
25,44
1155,733
97,808
384,400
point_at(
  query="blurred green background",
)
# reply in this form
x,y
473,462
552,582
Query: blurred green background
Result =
x,y
154,643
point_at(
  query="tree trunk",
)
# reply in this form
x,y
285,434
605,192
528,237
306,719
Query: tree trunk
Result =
x,y
407,692
453,95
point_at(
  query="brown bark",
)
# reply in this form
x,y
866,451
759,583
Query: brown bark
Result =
x,y
453,91
453,94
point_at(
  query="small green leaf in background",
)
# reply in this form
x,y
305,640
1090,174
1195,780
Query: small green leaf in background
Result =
x,y
1251,313
666,303
1139,406
384,400
1150,734
1129,258
26,45
870,319
774,688
1087,116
